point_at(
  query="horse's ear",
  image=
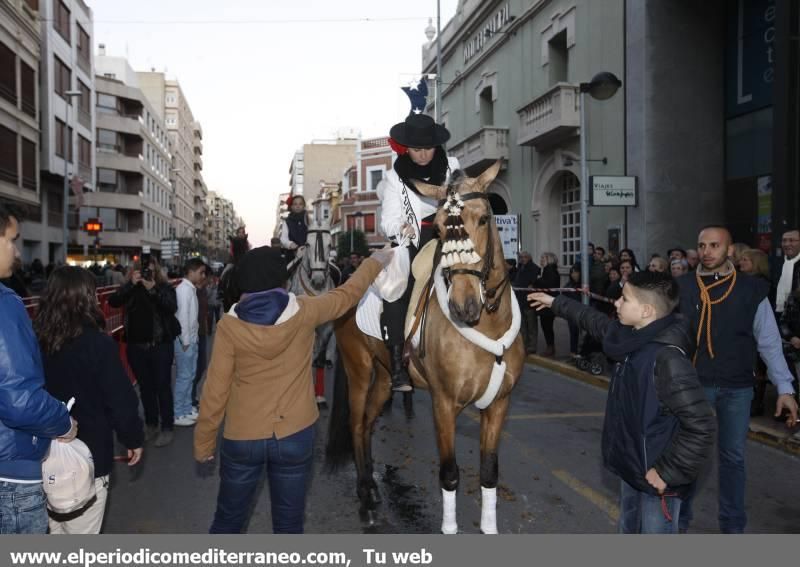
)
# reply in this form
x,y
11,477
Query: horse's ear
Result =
x,y
432,191
488,176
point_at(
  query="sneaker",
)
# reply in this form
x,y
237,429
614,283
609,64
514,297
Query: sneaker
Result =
x,y
164,438
194,413
322,402
185,420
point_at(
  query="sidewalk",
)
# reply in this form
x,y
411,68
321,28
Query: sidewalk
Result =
x,y
763,429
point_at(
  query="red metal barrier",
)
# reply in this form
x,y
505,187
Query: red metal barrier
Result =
x,y
114,316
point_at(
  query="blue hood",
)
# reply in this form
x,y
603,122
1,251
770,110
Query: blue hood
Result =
x,y
262,308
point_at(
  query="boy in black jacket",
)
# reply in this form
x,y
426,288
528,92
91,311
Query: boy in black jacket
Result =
x,y
659,428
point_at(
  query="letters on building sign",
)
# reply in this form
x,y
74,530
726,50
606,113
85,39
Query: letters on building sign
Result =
x,y
475,44
613,191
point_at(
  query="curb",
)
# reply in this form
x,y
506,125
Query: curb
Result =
x,y
771,436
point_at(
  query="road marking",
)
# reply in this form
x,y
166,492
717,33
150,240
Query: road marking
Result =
x,y
555,415
601,501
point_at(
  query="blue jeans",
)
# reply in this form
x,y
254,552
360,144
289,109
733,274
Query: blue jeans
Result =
x,y
732,407
185,368
643,513
23,508
288,463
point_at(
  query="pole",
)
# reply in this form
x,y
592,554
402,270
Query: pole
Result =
x,y
438,83
65,208
584,200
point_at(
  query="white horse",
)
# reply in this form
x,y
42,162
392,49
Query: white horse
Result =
x,y
311,274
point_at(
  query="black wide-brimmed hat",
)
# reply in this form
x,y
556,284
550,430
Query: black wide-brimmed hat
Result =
x,y
261,269
419,131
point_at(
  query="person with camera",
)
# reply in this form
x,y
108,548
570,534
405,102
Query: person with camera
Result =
x,y
150,328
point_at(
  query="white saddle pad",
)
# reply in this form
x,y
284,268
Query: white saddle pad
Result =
x,y
368,313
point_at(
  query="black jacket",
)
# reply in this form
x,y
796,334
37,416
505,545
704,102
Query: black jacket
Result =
x,y
149,315
526,276
657,415
89,369
549,277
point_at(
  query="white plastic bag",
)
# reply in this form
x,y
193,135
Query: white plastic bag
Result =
x,y
68,475
393,280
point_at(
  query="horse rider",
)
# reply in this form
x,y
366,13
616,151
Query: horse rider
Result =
x,y
407,215
294,228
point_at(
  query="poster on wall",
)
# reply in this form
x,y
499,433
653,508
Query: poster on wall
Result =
x,y
764,221
508,227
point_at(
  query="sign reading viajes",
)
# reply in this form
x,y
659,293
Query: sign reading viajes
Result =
x,y
508,227
613,191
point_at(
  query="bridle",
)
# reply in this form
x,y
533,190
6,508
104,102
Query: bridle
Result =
x,y
488,259
319,251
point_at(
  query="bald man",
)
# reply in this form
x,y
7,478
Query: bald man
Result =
x,y
734,306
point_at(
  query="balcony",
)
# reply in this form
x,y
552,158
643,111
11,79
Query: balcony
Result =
x,y
119,123
112,160
481,149
550,118
113,201
198,162
115,238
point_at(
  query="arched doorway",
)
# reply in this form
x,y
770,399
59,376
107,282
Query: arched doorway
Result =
x,y
555,207
498,204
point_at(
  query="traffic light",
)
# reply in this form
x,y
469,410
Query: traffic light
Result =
x,y
93,226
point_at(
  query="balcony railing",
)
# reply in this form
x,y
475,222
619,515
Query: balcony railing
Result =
x,y
8,175
481,149
550,118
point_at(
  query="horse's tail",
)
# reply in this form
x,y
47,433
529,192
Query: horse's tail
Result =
x,y
339,449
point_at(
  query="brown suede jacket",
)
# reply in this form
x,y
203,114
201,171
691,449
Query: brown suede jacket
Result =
x,y
259,379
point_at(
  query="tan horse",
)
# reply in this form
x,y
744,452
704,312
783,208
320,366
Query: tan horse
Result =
x,y
478,301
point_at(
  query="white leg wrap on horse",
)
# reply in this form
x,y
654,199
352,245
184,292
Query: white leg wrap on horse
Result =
x,y
449,523
488,510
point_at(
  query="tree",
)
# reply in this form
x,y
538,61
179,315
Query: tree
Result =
x,y
359,243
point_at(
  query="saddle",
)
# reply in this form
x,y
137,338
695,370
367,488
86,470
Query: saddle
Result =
x,y
370,308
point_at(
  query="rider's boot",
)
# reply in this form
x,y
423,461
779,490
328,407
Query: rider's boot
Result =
x,y
401,382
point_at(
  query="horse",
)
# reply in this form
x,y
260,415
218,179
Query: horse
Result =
x,y
311,274
469,351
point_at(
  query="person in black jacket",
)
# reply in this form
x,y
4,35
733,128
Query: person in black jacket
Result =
x,y
659,428
81,361
150,327
527,273
548,279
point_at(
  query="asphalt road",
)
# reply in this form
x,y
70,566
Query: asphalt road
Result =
x,y
551,476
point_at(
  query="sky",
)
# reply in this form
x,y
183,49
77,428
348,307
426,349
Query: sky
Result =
x,y
264,77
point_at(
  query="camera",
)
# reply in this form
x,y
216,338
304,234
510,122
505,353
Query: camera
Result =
x,y
147,273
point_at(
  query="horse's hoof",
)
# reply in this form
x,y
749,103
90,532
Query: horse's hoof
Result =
x,y
449,529
367,516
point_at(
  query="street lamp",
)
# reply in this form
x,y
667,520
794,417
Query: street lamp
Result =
x,y
357,214
602,87
69,95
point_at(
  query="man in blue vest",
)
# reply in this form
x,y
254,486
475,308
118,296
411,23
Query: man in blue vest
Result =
x,y
732,320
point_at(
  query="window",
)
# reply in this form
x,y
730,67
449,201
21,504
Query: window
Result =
x,y
487,107
8,74
353,178
60,129
84,151
375,177
33,5
106,180
107,103
84,50
8,155
108,217
570,218
558,58
369,223
29,164
61,17
107,140
85,100
62,77
27,79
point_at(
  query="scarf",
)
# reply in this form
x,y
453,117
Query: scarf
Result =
x,y
434,173
263,307
298,229
623,340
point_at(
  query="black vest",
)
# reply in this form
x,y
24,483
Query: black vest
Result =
x,y
731,329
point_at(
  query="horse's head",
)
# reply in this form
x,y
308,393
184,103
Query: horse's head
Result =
x,y
318,246
469,239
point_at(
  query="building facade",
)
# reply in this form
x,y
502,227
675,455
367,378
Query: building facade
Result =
x,y
706,119
66,126
510,76
222,222
133,162
19,112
